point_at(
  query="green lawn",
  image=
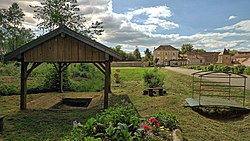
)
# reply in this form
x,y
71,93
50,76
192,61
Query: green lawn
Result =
x,y
48,124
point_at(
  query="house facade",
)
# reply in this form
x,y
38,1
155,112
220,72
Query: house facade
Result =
x,y
166,55
225,58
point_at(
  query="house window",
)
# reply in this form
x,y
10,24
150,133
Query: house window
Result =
x,y
166,53
200,61
173,53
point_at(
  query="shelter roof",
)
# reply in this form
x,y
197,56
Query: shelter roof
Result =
x,y
16,55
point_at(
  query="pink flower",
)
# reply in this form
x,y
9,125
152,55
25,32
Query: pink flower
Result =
x,y
145,127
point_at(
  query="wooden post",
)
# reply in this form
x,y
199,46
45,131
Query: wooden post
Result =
x,y
60,77
24,76
107,84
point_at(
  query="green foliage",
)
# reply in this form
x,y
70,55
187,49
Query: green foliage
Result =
x,y
186,48
54,13
9,89
52,82
148,55
11,69
137,54
153,78
115,123
247,70
166,119
12,32
239,69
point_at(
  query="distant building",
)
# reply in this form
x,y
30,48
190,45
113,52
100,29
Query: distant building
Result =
x,y
241,58
201,58
166,55
225,58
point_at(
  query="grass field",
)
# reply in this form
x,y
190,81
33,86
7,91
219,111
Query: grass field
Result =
x,y
50,124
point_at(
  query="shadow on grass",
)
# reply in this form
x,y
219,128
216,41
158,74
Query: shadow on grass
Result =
x,y
222,114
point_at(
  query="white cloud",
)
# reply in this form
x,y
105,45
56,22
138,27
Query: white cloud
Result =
x,y
232,17
128,30
152,12
163,23
240,26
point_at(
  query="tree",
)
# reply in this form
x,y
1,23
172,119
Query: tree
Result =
x,y
54,13
148,55
186,48
137,54
199,50
12,32
130,57
119,50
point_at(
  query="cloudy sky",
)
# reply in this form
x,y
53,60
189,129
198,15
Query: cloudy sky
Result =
x,y
207,24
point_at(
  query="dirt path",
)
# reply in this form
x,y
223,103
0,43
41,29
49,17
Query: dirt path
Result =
x,y
190,71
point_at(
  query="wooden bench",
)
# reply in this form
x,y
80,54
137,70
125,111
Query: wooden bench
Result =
x,y
153,91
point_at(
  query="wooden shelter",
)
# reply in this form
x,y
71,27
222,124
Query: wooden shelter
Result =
x,y
62,47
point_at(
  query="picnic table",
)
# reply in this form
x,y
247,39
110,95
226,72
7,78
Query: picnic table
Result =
x,y
153,91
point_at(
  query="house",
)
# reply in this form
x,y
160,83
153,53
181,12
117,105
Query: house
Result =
x,y
166,55
201,58
225,58
241,58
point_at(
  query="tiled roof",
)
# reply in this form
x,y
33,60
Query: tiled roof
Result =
x,y
242,55
210,57
166,47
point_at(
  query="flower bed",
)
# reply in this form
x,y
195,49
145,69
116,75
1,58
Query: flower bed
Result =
x,y
122,123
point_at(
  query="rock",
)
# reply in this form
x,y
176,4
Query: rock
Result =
x,y
177,135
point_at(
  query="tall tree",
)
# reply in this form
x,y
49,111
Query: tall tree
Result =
x,y
148,55
186,48
137,54
53,13
118,49
12,32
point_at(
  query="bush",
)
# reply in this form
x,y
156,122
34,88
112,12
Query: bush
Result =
x,y
115,123
239,69
153,78
52,82
11,69
9,89
247,71
122,123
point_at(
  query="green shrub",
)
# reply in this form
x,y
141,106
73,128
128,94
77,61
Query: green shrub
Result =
x,y
239,69
115,123
122,123
247,70
166,119
11,89
11,69
153,78
52,82
210,67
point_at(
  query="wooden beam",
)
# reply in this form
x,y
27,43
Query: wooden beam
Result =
x,y
99,68
57,69
65,66
34,65
102,65
60,77
24,66
107,82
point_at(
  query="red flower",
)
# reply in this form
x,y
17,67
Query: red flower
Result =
x,y
158,125
153,120
145,127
